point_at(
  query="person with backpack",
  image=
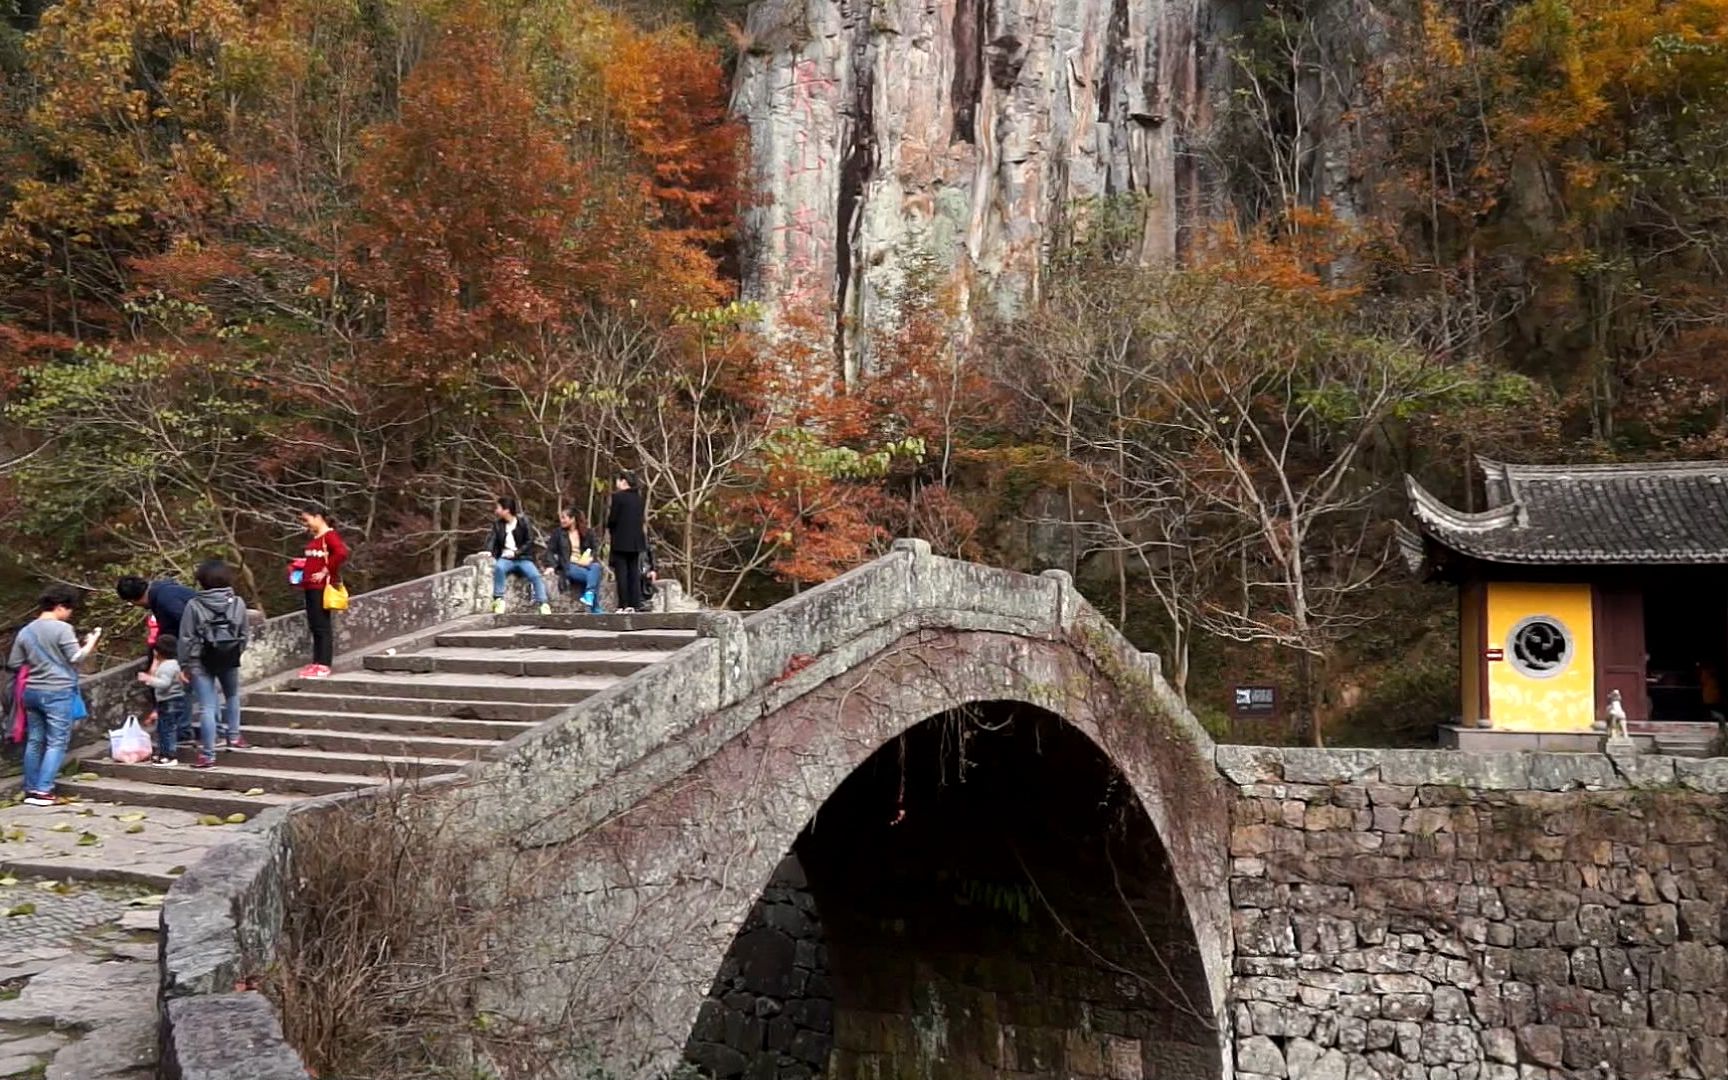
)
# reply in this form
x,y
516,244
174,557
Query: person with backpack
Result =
x,y
44,660
575,558
212,641
319,566
627,529
513,545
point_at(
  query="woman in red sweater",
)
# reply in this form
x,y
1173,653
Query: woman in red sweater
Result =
x,y
324,556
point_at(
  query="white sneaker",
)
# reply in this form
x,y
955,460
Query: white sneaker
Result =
x,y
38,800
545,609
498,607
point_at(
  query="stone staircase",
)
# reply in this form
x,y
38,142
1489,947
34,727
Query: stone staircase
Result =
x,y
421,711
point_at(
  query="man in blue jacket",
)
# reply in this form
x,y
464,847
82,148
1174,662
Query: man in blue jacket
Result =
x,y
165,599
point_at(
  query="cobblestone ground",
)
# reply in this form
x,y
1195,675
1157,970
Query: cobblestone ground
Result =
x,y
77,980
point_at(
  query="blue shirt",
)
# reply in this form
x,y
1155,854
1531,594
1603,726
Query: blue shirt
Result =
x,y
167,601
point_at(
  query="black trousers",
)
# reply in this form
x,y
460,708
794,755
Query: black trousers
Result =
x,y
318,620
627,568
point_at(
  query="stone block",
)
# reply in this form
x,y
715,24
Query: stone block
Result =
x,y
232,1036
1448,768
1409,1007
1545,904
1281,1021
1259,1054
1243,765
1542,1044
1500,1045
1569,772
1702,774
1314,765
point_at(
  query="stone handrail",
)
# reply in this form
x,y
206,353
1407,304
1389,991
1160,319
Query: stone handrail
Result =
x,y
283,643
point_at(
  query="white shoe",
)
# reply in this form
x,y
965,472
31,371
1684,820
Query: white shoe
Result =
x,y
498,607
545,609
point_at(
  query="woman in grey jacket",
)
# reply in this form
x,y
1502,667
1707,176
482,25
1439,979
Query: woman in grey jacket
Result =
x,y
51,649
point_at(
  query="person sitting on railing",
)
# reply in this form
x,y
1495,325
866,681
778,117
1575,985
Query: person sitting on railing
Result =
x,y
576,558
512,546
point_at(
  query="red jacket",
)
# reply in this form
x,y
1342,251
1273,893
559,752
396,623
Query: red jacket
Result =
x,y
324,555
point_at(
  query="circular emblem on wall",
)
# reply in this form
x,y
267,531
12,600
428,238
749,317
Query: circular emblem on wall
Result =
x,y
1539,646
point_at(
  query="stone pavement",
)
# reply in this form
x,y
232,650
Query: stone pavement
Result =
x,y
100,841
77,980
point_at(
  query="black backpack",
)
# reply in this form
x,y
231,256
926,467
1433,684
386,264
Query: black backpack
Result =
x,y
224,643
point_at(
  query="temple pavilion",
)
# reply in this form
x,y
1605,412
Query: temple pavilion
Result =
x,y
1579,580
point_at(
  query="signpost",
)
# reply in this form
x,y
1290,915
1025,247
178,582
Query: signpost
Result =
x,y
1254,702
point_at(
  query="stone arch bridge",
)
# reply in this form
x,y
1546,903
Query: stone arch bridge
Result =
x,y
937,820
836,828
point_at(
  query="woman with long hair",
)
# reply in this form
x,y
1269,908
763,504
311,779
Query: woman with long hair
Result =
x,y
572,548
321,565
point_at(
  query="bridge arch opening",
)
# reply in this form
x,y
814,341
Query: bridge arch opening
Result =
x,y
984,896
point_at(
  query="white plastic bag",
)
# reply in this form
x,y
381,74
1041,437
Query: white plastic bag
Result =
x,y
130,742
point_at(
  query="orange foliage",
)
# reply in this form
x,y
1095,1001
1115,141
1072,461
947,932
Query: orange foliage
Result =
x,y
670,92
1295,255
482,234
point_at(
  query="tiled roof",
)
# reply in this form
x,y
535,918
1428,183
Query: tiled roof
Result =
x,y
1624,515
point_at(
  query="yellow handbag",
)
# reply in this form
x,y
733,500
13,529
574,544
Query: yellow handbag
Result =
x,y
585,559
335,598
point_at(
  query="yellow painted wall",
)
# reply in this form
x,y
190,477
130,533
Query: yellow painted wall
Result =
x,y
1564,702
1470,653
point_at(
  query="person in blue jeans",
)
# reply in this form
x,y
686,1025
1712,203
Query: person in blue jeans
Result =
x,y
513,546
51,702
575,557
169,690
211,642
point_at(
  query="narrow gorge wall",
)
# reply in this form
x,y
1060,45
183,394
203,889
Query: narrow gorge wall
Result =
x,y
958,135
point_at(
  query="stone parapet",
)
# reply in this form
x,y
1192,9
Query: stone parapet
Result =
x,y
283,643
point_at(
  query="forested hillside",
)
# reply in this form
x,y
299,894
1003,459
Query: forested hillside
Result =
x,y
399,256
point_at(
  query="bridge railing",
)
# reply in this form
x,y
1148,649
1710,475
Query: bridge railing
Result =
x,y
284,643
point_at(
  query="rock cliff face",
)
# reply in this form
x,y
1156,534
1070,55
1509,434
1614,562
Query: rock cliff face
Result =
x,y
897,140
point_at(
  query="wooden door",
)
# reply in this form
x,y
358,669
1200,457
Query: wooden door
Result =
x,y
1619,624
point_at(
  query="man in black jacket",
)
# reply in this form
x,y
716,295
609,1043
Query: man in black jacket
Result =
x,y
513,546
626,528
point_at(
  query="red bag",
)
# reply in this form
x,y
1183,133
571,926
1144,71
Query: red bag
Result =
x,y
19,680
152,631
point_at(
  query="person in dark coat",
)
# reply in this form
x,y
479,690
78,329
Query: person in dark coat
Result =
x,y
626,528
164,599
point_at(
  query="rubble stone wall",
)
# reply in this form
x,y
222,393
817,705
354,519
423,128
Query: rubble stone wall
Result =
x,y
1412,916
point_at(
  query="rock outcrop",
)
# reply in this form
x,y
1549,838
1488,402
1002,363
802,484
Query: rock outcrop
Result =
x,y
898,143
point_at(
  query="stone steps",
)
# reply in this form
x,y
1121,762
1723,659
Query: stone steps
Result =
x,y
513,663
334,707
231,777
446,686
374,742
173,796
514,637
425,711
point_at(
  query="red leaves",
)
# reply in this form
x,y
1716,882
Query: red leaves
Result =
x,y
484,234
